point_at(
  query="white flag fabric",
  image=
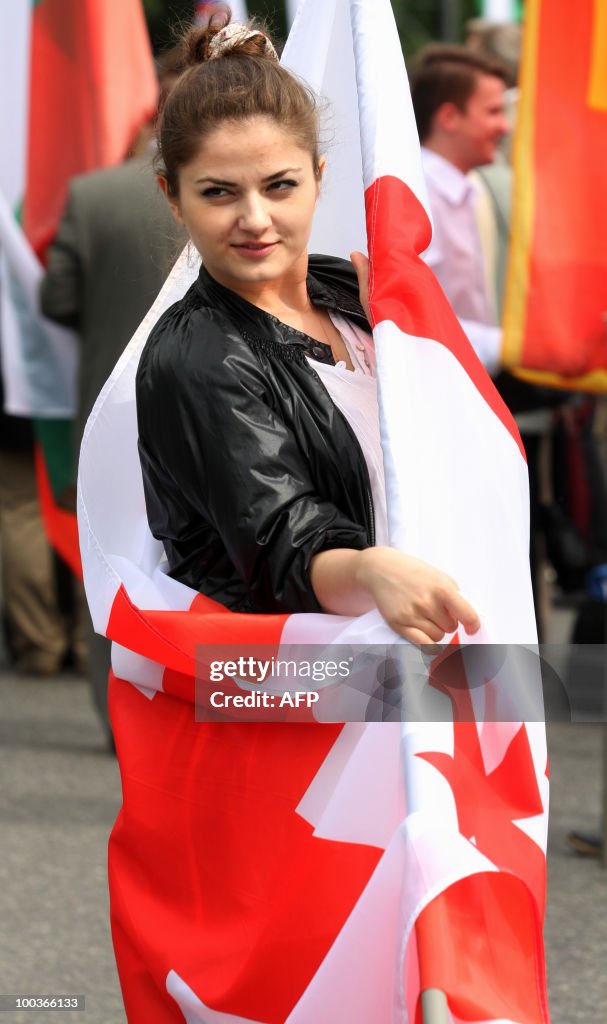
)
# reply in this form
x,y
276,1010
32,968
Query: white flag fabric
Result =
x,y
339,855
291,11
239,11
499,10
39,358
15,27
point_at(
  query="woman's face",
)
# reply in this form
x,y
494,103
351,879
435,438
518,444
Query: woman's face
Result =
x,y
247,200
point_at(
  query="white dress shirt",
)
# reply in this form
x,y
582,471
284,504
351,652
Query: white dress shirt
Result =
x,y
456,254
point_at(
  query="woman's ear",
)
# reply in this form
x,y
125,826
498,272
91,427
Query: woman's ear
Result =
x,y
173,201
322,163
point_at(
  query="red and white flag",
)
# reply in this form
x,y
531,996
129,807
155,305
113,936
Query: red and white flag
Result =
x,y
308,873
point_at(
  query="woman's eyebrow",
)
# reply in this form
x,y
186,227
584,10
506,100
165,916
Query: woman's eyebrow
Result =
x,y
279,174
215,181
233,184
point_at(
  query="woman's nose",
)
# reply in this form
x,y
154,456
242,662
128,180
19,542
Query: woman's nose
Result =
x,y
254,214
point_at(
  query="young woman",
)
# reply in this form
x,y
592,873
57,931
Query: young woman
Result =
x,y
257,407
259,871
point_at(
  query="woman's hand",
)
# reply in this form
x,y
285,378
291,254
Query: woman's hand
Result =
x,y
360,263
418,602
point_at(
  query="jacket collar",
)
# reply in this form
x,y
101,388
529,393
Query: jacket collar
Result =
x,y
331,283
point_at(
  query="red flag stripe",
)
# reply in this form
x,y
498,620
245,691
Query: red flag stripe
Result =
x,y
404,290
171,638
60,525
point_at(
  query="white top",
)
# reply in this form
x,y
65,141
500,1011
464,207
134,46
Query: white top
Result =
x,y
354,392
456,255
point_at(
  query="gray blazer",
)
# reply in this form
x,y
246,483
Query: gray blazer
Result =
x,y
116,243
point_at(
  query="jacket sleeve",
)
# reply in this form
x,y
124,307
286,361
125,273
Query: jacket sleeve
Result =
x,y
62,286
230,454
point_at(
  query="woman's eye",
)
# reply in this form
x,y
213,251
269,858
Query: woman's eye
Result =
x,y
214,191
283,185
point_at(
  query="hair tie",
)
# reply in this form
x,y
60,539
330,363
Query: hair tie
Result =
x,y
231,36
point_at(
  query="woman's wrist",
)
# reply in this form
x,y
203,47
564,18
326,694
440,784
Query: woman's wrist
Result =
x,y
345,580
373,565
334,575
368,562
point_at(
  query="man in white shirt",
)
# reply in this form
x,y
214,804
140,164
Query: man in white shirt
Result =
x,y
458,98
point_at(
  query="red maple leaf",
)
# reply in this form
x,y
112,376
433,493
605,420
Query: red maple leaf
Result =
x,y
488,804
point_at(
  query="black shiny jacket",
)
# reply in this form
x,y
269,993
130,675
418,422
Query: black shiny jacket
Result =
x,y
249,468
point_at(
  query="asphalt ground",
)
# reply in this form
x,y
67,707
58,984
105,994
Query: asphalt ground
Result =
x,y
59,795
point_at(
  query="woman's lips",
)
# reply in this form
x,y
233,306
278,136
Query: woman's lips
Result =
x,y
255,250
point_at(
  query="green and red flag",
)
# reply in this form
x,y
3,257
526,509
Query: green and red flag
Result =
x,y
78,83
555,329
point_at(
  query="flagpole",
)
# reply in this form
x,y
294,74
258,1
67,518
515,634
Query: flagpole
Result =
x,y
435,1009
434,1006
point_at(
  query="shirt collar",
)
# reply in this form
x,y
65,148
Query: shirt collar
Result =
x,y
446,178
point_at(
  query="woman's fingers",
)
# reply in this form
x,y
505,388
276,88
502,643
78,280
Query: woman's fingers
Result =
x,y
360,263
424,627
416,636
442,616
411,594
462,610
437,618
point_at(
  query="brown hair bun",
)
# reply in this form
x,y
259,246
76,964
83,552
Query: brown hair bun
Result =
x,y
201,44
